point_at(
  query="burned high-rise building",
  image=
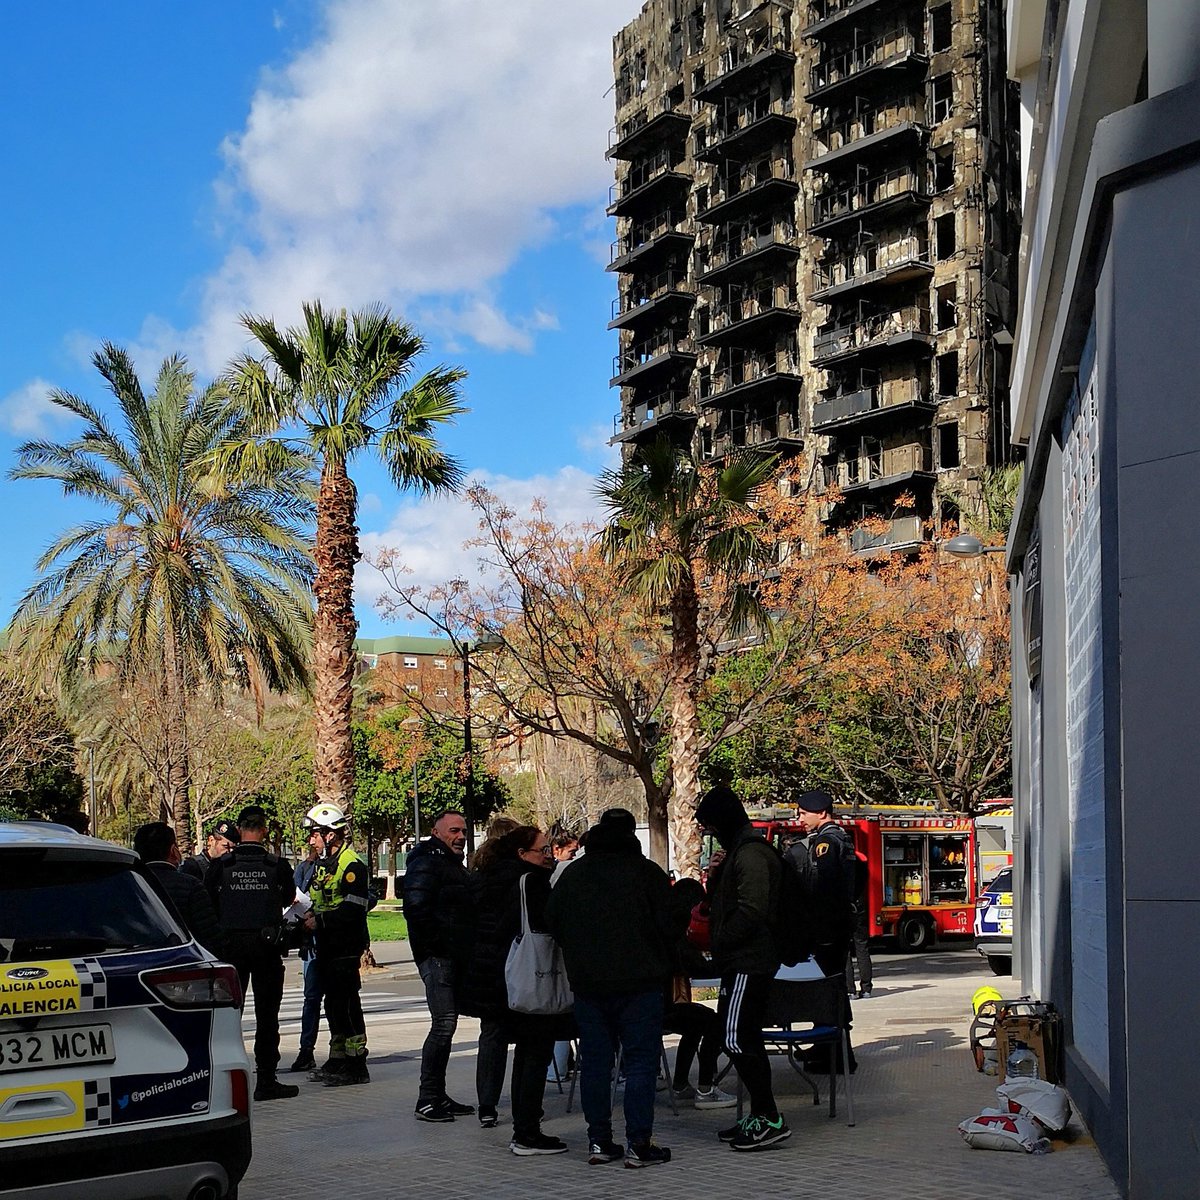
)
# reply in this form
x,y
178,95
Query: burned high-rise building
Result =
x,y
817,226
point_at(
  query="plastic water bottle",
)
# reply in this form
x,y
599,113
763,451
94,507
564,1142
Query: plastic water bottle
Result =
x,y
1022,1063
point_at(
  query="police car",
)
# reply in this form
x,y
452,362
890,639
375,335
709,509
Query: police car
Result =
x,y
122,1068
994,923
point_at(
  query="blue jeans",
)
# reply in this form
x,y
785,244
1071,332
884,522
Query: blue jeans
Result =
x,y
310,1014
634,1021
438,976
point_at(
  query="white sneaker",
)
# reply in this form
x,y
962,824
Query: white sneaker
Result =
x,y
714,1098
684,1095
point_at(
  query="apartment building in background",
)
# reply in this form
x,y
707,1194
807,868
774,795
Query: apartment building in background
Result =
x,y
423,672
817,224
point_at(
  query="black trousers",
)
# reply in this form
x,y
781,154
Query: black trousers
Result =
x,y
343,1005
532,1052
741,1009
859,953
699,1030
260,968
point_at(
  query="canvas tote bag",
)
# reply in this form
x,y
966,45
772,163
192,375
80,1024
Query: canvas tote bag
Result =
x,y
534,971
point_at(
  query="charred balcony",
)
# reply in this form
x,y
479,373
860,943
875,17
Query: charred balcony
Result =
x,y
757,314
896,55
868,134
666,412
655,360
649,184
871,267
884,196
750,380
900,533
742,192
871,406
649,244
649,129
745,252
752,55
832,16
873,334
744,129
878,470
661,299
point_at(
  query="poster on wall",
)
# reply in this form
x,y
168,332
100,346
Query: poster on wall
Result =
x,y
1085,716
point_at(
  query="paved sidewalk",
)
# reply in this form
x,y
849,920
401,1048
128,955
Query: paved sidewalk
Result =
x,y
915,1082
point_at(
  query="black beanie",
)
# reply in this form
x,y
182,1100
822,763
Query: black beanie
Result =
x,y
722,812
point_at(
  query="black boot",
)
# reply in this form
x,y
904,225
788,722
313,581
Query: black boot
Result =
x,y
269,1088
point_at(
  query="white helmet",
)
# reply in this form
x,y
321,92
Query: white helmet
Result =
x,y
325,816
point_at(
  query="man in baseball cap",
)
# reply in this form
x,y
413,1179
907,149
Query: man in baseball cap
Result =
x,y
222,837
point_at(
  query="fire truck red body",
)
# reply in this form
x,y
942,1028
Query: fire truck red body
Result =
x,y
921,868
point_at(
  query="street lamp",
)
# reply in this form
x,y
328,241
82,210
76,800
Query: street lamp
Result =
x,y
90,743
967,545
486,642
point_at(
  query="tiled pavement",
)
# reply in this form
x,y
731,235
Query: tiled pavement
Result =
x,y
915,1082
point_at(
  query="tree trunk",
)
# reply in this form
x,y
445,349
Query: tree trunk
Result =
x,y
685,730
656,819
177,772
334,631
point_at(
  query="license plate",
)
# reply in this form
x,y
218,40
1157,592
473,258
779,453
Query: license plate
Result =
x,y
1004,914
42,1048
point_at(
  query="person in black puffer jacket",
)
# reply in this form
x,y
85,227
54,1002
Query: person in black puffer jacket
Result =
x,y
437,909
523,854
156,846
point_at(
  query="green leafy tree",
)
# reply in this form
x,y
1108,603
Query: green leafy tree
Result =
x,y
330,389
188,580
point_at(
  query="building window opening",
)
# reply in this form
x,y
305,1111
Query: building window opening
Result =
x,y
948,456
944,237
941,97
943,168
947,373
939,29
947,306
696,30
410,662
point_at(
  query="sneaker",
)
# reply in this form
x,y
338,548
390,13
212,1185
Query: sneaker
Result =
x,y
713,1097
304,1062
488,1117
455,1109
353,1074
272,1089
684,1095
603,1152
760,1132
865,994
539,1143
646,1154
433,1111
727,1135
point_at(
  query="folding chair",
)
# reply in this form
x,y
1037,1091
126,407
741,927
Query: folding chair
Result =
x,y
823,1003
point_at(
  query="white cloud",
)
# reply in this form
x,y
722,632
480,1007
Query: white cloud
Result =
x,y
594,441
430,535
414,151
28,412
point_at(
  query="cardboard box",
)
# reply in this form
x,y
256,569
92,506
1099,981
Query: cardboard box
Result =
x,y
1039,1027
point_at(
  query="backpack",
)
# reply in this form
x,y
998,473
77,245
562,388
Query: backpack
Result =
x,y
794,924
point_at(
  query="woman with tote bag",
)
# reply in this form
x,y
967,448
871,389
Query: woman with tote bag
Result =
x,y
521,863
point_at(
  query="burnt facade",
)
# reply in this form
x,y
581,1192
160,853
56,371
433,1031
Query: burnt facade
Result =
x,y
816,220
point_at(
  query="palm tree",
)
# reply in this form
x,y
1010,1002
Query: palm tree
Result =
x,y
332,388
685,538
188,579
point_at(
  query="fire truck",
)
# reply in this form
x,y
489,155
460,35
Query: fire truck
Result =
x,y
921,867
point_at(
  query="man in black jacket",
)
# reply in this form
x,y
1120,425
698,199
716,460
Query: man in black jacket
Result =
x,y
437,907
155,844
610,913
744,891
222,838
250,888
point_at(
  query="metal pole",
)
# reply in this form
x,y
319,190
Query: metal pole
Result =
x,y
92,791
416,807
469,783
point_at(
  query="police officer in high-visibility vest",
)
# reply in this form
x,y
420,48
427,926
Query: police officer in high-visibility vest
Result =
x,y
250,888
338,918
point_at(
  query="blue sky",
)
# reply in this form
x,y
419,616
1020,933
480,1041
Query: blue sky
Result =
x,y
171,165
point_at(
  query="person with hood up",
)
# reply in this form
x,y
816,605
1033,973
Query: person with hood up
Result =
x,y
744,892
610,913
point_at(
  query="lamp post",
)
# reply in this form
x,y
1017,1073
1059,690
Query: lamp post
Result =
x,y
90,743
967,545
487,642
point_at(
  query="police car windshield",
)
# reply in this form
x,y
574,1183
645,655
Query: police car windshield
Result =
x,y
77,907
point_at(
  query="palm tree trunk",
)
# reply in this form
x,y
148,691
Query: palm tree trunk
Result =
x,y
178,775
685,730
334,631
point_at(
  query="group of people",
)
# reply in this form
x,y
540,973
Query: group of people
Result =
x,y
622,926
232,898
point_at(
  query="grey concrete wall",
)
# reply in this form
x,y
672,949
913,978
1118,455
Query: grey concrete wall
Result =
x,y
1155,251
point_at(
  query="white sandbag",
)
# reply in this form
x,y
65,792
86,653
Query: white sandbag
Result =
x,y
1046,1103
996,1130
